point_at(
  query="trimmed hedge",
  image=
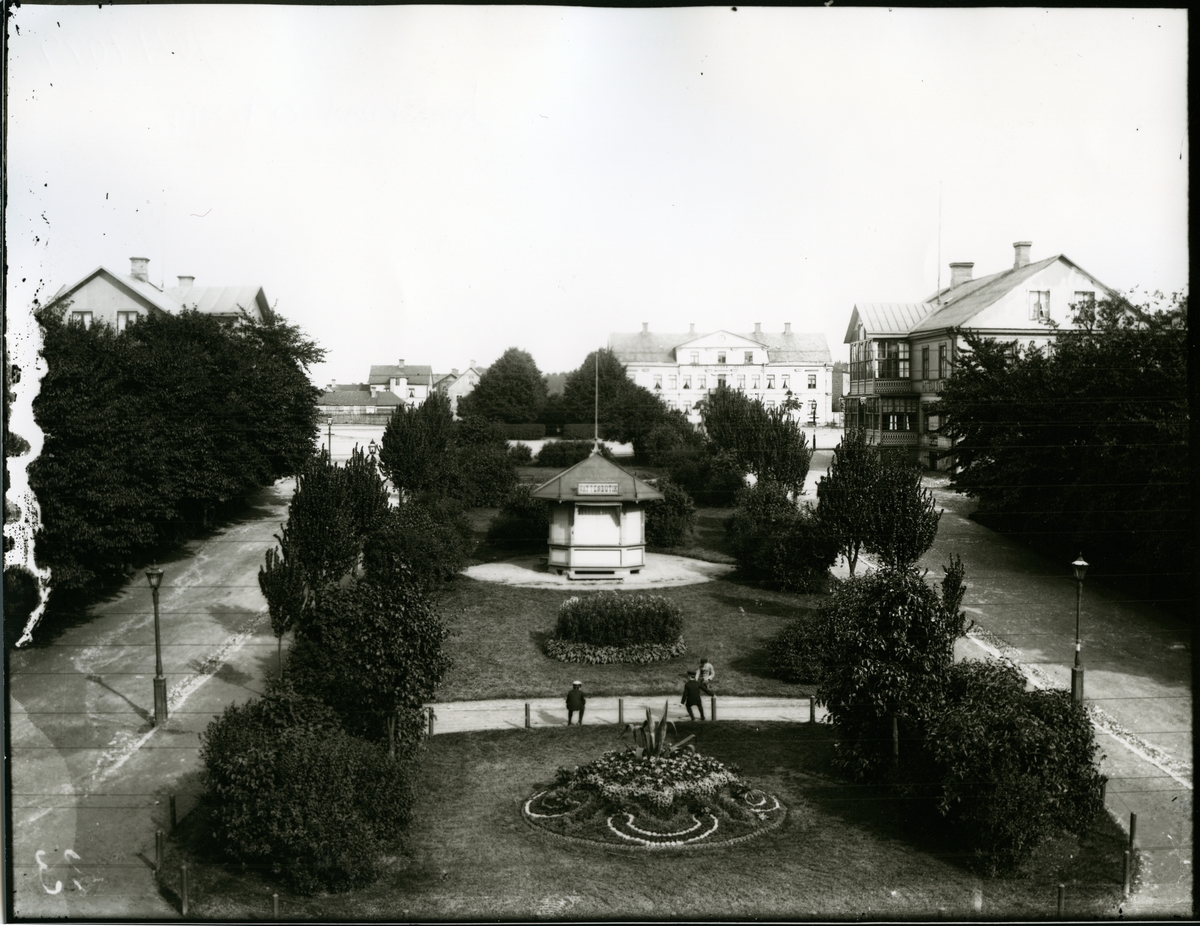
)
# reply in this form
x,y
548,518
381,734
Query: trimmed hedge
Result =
x,y
639,653
612,619
529,431
794,654
585,432
568,452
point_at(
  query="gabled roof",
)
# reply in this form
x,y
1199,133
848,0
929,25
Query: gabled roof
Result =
x,y
147,292
358,397
886,318
222,300
416,374
962,303
656,347
592,470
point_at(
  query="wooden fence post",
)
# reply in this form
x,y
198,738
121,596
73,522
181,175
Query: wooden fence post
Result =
x,y
621,711
1127,871
1132,829
275,906
713,705
812,709
159,852
1061,891
527,724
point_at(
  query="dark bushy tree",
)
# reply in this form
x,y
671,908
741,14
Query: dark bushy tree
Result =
x,y
628,412
888,646
425,542
795,653
1082,446
416,447
902,522
767,442
485,473
511,390
564,453
671,520
776,541
845,495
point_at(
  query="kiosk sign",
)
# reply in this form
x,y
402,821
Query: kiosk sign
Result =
x,y
598,488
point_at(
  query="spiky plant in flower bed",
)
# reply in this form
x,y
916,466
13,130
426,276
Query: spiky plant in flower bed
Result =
x,y
654,794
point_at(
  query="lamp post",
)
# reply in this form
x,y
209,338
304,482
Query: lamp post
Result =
x,y
372,449
154,576
329,436
1080,566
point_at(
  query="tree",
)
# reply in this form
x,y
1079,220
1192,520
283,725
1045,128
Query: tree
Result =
x,y
628,412
373,652
1081,445
511,390
887,648
767,442
415,452
901,521
282,584
774,539
845,495
671,519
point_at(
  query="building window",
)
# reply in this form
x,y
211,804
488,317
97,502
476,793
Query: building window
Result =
x,y
720,356
1039,305
82,318
741,383
943,362
898,414
695,356
749,356
720,380
924,363
700,381
671,382
412,394
892,360
785,382
754,381
770,382
931,424
812,380
658,381
125,319
687,382
1083,299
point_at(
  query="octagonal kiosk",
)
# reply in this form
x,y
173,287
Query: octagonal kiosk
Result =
x,y
597,520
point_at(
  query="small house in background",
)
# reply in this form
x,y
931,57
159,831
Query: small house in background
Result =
x,y
409,382
597,519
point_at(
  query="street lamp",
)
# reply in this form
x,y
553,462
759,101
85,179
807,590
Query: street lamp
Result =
x,y
372,449
1080,566
329,436
154,576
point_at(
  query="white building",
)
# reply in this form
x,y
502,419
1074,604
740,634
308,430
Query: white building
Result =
x,y
772,366
411,383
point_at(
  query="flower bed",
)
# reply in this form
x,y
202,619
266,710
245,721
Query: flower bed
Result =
x,y
638,653
683,800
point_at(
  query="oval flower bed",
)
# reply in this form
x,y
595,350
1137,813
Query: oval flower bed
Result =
x,y
638,653
683,800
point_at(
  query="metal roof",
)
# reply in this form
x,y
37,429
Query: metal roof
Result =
x,y
596,469
963,302
656,347
358,397
886,317
222,300
416,374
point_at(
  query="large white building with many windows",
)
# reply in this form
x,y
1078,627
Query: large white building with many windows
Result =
x,y
683,368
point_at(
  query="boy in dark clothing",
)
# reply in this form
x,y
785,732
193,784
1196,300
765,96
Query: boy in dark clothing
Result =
x,y
691,695
575,701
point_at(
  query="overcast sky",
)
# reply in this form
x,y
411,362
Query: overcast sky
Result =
x,y
439,184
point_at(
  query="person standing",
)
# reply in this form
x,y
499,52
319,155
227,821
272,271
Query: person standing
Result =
x,y
692,689
576,700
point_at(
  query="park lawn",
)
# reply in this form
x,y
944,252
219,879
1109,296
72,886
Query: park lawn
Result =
x,y
844,851
499,632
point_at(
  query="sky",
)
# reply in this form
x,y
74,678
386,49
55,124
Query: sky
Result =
x,y
441,183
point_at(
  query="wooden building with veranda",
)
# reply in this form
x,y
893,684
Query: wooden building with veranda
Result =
x,y
597,519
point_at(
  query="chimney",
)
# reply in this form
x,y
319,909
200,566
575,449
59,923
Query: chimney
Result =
x,y
454,371
758,327
472,363
787,327
1021,255
138,268
185,283
692,328
961,272
400,363
645,327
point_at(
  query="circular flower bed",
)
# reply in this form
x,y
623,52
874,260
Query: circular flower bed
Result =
x,y
639,653
681,800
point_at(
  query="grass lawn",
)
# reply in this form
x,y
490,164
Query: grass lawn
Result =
x,y
844,851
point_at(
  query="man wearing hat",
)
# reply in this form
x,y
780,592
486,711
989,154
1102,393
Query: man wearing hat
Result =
x,y
575,702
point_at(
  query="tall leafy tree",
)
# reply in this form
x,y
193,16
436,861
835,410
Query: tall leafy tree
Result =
x,y
628,412
845,495
767,442
416,447
1083,445
902,521
511,390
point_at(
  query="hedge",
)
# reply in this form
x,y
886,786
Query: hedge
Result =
x,y
639,653
582,432
529,431
612,619
568,452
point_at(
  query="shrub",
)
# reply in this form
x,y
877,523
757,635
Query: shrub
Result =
x,y
522,519
611,619
426,540
487,474
520,455
293,793
583,432
568,452
1011,767
530,431
669,522
711,477
888,644
636,653
775,541
794,654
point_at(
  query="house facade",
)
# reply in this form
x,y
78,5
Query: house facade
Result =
x,y
454,385
411,383
770,366
119,300
902,353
